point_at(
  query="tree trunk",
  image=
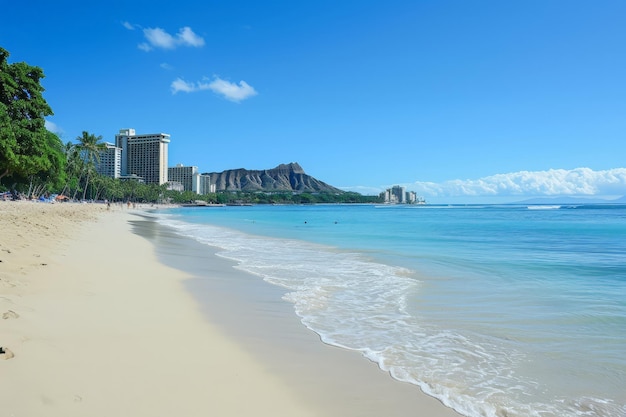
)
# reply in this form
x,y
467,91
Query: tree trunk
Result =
x,y
86,185
77,186
64,188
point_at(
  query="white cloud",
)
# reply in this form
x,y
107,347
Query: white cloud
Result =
x,y
159,38
553,182
230,91
363,189
187,37
182,85
128,25
166,66
52,127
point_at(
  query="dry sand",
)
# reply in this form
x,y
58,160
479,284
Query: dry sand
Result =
x,y
98,326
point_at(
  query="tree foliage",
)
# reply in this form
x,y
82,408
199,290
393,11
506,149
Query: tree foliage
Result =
x,y
52,178
89,147
24,142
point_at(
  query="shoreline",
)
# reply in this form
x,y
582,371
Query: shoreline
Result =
x,y
341,382
104,324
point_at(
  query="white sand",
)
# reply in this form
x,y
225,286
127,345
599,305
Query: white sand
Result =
x,y
99,327
105,330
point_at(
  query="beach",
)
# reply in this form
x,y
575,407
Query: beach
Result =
x,y
103,318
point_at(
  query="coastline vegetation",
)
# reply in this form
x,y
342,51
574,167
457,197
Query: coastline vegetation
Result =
x,y
35,163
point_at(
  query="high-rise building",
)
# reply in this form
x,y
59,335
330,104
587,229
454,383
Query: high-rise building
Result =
x,y
398,195
190,178
186,175
395,194
110,163
144,155
205,184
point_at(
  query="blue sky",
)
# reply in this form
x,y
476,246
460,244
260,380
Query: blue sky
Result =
x,y
474,101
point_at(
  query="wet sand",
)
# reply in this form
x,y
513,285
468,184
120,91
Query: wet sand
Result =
x,y
105,313
335,381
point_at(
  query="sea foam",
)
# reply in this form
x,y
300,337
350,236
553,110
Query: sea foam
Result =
x,y
355,301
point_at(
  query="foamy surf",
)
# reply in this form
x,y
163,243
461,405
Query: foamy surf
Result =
x,y
387,312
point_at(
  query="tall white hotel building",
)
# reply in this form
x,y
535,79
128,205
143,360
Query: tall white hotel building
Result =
x,y
144,156
110,163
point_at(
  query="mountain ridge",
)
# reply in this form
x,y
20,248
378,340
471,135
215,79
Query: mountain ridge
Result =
x,y
284,177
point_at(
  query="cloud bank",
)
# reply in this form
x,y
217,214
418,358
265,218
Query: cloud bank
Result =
x,y
230,91
159,38
553,182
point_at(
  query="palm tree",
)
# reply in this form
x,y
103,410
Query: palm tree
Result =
x,y
90,147
72,166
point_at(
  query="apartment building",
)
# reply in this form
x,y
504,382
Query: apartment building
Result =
x,y
399,195
190,178
110,163
395,194
145,156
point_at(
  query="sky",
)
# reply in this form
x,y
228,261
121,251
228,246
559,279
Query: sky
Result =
x,y
457,100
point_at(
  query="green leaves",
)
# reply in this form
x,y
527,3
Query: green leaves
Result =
x,y
24,146
89,146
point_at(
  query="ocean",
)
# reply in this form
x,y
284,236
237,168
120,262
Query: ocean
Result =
x,y
496,310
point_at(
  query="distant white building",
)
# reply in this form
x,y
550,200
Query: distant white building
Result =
x,y
205,185
399,195
110,163
190,178
144,155
394,195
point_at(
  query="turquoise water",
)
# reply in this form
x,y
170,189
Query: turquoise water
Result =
x,y
495,310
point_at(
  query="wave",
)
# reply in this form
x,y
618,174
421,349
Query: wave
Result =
x,y
552,207
355,302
